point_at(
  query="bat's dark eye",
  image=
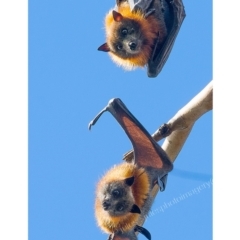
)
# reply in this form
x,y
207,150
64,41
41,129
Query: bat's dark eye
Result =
x,y
131,31
124,31
116,193
120,207
119,47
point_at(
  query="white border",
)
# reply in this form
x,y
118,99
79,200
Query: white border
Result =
x,y
13,120
226,78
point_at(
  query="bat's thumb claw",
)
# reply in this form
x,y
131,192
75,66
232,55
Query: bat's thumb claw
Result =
x,y
96,118
90,125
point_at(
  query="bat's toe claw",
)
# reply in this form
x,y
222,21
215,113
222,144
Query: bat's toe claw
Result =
x,y
143,231
162,182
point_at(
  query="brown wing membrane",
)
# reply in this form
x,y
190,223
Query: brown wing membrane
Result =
x,y
147,153
174,21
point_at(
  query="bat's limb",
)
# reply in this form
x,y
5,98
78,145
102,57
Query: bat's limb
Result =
x,y
143,231
162,182
164,131
96,118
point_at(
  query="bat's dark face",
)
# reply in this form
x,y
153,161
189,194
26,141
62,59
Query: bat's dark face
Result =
x,y
117,198
128,38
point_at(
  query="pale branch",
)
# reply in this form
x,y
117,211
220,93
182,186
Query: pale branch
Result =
x,y
182,123
180,126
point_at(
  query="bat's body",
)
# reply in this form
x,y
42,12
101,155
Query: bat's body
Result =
x,y
123,194
140,33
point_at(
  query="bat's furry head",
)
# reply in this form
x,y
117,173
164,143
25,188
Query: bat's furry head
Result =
x,y
117,198
131,36
120,196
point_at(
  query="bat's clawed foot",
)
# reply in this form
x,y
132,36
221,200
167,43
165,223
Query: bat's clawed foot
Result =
x,y
130,235
162,182
149,12
164,130
143,231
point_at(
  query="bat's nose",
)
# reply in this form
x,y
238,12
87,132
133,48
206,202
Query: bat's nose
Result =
x,y
106,205
132,45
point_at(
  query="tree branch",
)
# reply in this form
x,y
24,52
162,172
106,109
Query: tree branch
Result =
x,y
182,123
179,127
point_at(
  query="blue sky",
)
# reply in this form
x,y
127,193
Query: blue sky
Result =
x,y
70,82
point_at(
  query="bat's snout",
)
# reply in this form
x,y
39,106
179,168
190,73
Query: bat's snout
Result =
x,y
106,205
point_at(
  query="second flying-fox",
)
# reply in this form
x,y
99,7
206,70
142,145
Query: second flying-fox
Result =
x,y
140,33
123,194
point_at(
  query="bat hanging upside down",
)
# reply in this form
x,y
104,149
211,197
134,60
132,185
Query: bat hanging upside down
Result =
x,y
123,194
142,32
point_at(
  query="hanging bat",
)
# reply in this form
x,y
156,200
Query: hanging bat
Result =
x,y
123,194
142,33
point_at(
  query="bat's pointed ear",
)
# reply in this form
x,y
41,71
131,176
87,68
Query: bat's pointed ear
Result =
x,y
135,209
118,17
104,48
129,181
